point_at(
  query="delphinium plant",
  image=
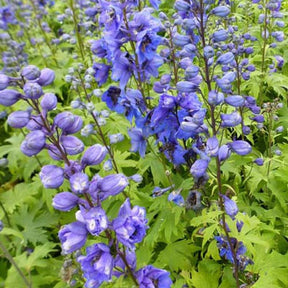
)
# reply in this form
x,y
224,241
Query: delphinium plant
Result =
x,y
155,148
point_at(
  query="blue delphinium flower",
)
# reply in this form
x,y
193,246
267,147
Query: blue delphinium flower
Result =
x,y
150,276
130,225
97,265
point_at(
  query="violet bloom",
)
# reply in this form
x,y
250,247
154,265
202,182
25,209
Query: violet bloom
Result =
x,y
65,201
95,219
138,141
51,176
34,142
9,97
94,155
32,90
18,119
79,182
152,277
97,265
49,101
230,120
47,77
130,225
72,237
30,72
71,144
240,147
4,81
199,167
230,206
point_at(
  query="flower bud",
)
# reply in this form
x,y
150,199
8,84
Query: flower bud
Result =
x,y
212,146
225,59
191,72
65,201
49,101
94,155
230,206
224,153
68,122
182,6
30,72
34,142
199,167
72,145
208,52
186,86
221,11
235,100
240,147
18,119
3,162
79,182
51,176
47,77
259,161
9,97
32,90
181,40
230,120
136,178
215,98
112,185
220,35
4,81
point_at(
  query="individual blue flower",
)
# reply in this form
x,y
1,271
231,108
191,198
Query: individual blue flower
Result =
x,y
240,147
94,155
152,277
18,119
95,219
230,206
230,120
33,143
259,161
79,182
220,35
46,78
193,200
72,236
212,147
177,198
199,167
72,145
215,98
30,72
48,101
131,224
235,100
101,73
4,81
97,265
8,97
221,11
224,153
112,185
65,201
138,141
51,176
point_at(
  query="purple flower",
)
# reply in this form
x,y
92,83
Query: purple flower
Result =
x,y
152,277
199,167
220,35
112,185
72,145
30,72
230,120
32,90
51,176
235,100
68,122
18,119
130,225
224,152
49,101
215,98
47,77
230,206
240,147
212,146
97,265
259,161
138,141
65,201
95,219
4,82
72,237
9,97
225,59
101,73
176,197
79,182
221,11
34,142
94,155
